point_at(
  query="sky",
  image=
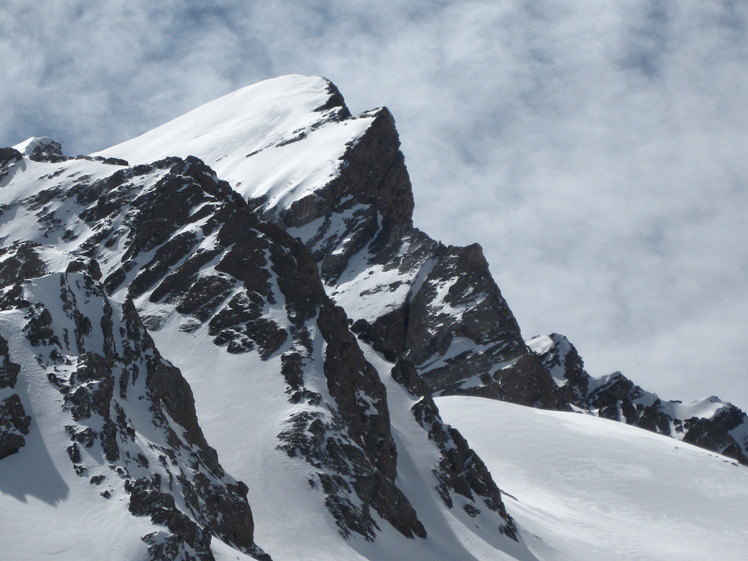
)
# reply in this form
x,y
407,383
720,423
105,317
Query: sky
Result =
x,y
598,151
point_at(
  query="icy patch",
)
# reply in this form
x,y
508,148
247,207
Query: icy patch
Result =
x,y
540,344
704,408
372,292
560,346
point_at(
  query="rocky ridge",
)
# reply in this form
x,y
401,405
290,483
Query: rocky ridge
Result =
x,y
709,423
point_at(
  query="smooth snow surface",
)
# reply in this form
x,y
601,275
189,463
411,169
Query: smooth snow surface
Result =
x,y
267,140
587,489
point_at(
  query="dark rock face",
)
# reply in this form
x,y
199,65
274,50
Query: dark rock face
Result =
x,y
335,102
460,329
362,406
14,423
259,264
48,151
373,179
8,370
20,262
715,433
374,174
460,470
8,156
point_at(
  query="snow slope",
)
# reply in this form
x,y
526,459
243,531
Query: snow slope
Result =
x,y
39,492
586,488
68,493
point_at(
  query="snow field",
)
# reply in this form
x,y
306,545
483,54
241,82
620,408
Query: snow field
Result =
x,y
581,487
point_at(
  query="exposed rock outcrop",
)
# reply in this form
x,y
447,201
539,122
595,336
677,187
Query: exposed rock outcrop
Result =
x,y
8,156
460,470
14,422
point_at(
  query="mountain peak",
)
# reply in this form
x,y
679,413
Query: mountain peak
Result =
x,y
41,149
253,282
290,147
247,134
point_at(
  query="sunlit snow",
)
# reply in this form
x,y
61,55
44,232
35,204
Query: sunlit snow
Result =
x,y
585,488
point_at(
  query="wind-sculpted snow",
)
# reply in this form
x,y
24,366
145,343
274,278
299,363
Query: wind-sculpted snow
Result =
x,y
587,488
276,142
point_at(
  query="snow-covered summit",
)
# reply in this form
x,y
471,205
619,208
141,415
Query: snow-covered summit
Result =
x,y
41,149
251,137
28,146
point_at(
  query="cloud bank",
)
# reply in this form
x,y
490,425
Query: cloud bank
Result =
x,y
595,150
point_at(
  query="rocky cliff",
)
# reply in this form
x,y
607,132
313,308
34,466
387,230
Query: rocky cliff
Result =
x,y
710,423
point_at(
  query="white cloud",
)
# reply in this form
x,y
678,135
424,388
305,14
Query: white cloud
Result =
x,y
596,150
